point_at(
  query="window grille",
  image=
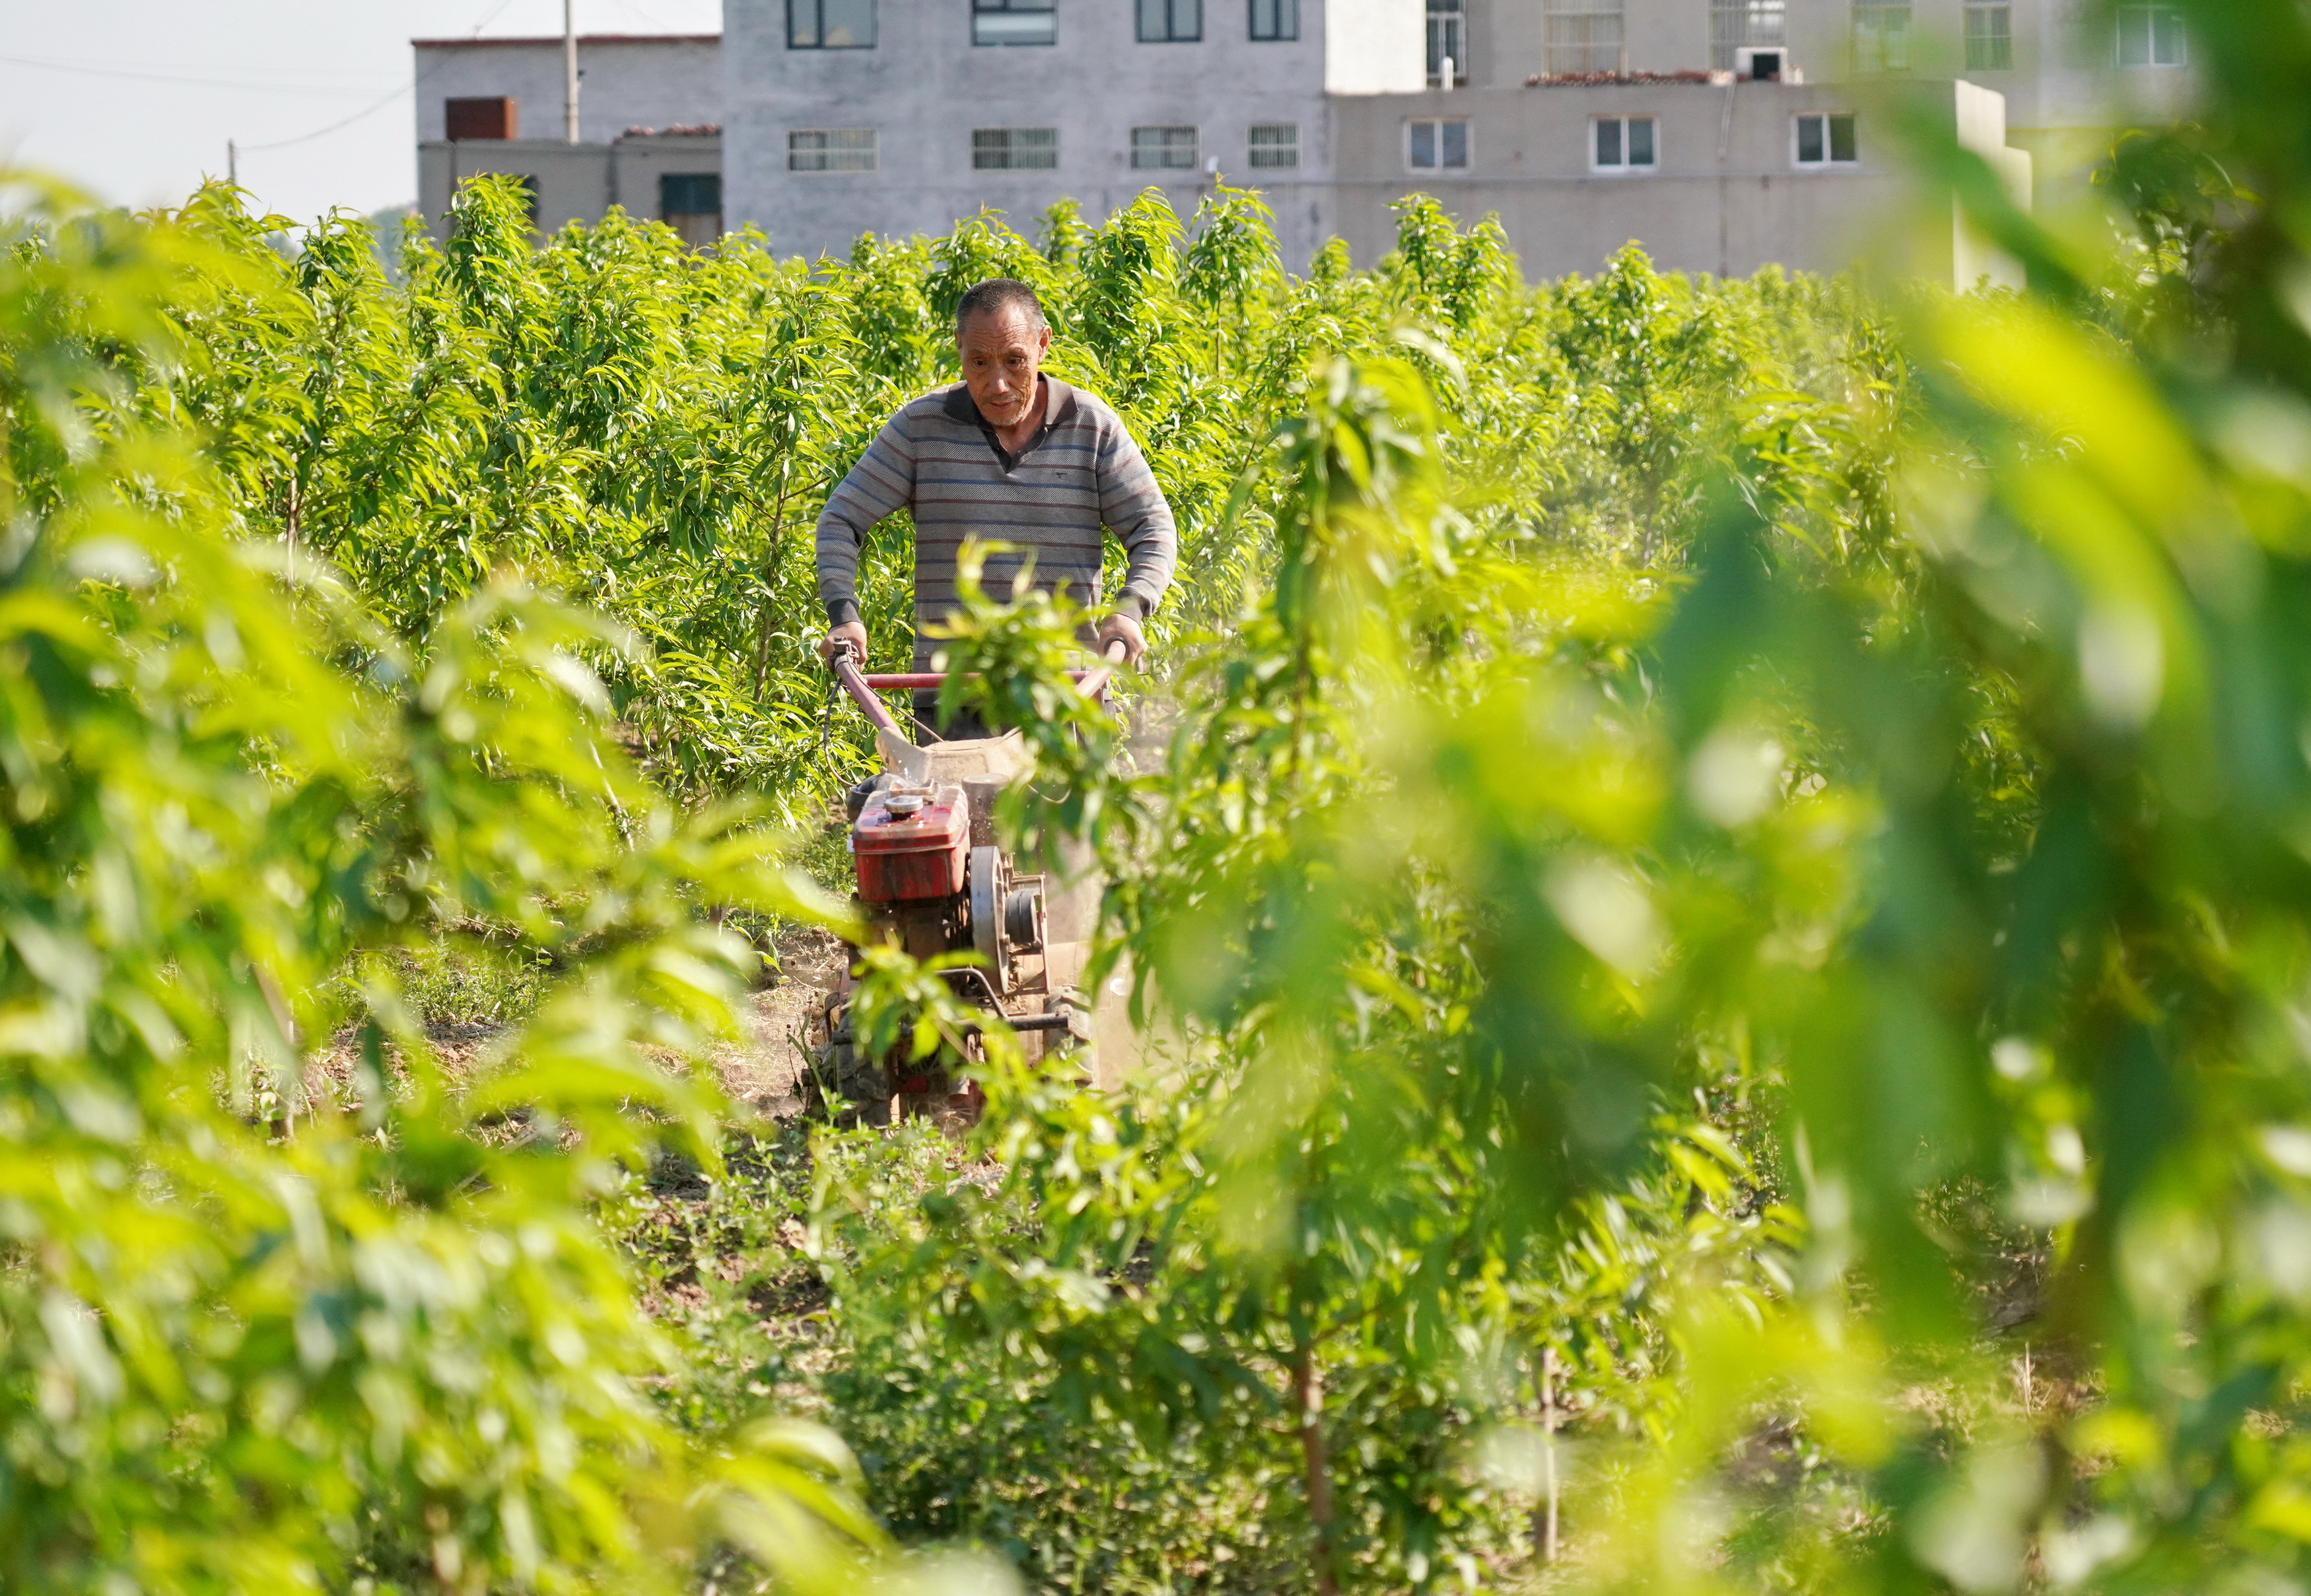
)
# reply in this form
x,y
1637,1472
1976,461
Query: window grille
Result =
x,y
1015,149
1275,145
1583,36
1621,144
1733,23
1448,39
1989,38
1163,149
830,24
1881,37
1436,145
1171,22
1274,20
831,149
2151,36
1013,22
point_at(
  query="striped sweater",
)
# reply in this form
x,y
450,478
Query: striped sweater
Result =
x,y
939,460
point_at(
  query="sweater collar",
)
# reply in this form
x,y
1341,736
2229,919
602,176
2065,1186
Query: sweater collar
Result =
x,y
1059,404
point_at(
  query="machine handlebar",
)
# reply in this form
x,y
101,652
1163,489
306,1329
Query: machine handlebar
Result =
x,y
862,685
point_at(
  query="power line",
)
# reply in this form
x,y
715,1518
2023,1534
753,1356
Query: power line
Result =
x,y
370,110
167,77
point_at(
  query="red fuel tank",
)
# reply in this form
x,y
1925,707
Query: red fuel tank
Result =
x,y
912,844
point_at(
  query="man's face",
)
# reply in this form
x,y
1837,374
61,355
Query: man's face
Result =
x,y
1002,352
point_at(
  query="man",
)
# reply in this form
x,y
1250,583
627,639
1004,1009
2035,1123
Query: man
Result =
x,y
1007,455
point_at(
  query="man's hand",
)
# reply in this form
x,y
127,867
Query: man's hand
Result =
x,y
853,632
1120,628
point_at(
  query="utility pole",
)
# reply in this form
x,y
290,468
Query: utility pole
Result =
x,y
570,71
232,163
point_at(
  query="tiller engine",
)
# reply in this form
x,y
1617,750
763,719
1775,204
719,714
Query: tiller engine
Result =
x,y
932,878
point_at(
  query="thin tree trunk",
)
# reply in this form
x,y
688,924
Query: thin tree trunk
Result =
x,y
1308,1391
770,560
294,524
1544,1525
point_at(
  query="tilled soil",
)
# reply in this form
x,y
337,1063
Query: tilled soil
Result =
x,y
764,1071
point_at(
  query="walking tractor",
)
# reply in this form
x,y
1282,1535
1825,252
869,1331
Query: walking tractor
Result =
x,y
931,878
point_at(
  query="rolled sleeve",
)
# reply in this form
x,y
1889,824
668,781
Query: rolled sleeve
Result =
x,y
880,484
1133,508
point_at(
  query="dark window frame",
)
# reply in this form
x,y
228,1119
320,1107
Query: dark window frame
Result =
x,y
1440,136
816,9
1447,22
1010,8
1835,128
1168,15
1283,18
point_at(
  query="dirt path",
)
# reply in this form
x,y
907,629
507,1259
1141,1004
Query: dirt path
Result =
x,y
763,1070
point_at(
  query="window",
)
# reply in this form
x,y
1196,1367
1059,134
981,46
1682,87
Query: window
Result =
x,y
1015,149
1989,38
691,202
831,149
1171,22
1881,37
1582,36
1013,22
2151,36
1623,144
1448,39
1274,20
1436,146
1826,138
1275,145
830,24
480,118
1163,149
1733,23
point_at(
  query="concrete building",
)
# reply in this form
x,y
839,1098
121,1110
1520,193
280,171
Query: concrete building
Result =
x,y
648,127
1722,135
1694,126
932,109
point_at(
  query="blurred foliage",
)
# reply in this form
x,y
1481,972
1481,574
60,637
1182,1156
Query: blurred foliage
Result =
x,y
1714,873
1908,822
650,431
286,1302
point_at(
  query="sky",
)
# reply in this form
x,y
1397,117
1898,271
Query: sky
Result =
x,y
134,99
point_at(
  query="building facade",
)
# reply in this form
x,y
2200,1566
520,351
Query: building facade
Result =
x,y
917,113
649,138
1722,135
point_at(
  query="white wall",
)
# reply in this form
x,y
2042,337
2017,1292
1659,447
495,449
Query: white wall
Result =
x,y
625,82
1376,46
1726,197
575,182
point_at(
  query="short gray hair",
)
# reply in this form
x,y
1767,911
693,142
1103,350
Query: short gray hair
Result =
x,y
995,296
